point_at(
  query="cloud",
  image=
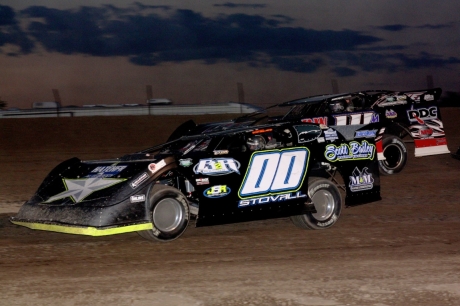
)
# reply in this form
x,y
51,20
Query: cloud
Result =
x,y
401,27
436,26
391,62
344,71
183,35
11,33
245,5
424,60
393,27
149,35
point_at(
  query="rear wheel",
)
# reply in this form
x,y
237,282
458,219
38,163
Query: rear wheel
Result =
x,y
395,153
169,213
328,204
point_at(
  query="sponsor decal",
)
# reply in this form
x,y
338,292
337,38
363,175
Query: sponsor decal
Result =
x,y
202,181
321,139
317,120
139,180
306,133
187,162
106,171
421,114
430,128
79,189
428,97
361,180
356,118
415,96
137,198
217,191
271,199
275,172
261,131
352,151
220,152
155,167
390,114
392,100
318,187
202,146
425,132
396,98
217,166
330,134
366,134
189,147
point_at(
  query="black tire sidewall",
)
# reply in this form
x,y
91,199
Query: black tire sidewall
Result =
x,y
316,184
158,193
396,141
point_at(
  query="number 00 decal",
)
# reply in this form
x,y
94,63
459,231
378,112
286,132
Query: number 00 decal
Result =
x,y
276,171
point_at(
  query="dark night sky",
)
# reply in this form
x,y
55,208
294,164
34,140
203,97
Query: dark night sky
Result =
x,y
196,52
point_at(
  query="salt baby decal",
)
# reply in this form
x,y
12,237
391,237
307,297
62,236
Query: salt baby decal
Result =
x,y
217,191
79,189
361,180
217,166
273,176
106,171
352,151
306,133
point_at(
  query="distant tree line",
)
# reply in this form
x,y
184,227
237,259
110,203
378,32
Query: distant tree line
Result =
x,y
2,104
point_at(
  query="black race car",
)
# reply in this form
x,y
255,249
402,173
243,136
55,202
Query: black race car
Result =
x,y
253,167
414,114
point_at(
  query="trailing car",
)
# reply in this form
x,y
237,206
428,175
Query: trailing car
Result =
x,y
410,114
253,167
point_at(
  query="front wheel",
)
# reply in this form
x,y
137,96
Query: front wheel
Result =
x,y
328,204
169,213
395,153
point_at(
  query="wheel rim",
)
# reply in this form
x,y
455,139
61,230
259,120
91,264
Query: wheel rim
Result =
x,y
393,156
324,204
167,215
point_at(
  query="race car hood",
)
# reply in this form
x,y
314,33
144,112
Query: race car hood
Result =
x,y
100,183
95,194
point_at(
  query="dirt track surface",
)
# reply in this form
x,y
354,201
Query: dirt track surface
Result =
x,y
403,250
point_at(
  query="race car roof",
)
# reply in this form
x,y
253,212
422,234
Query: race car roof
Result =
x,y
314,99
319,98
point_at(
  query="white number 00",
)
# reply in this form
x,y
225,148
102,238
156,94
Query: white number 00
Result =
x,y
272,172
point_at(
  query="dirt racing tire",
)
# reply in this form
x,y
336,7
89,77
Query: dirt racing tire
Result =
x,y
328,203
395,152
169,213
